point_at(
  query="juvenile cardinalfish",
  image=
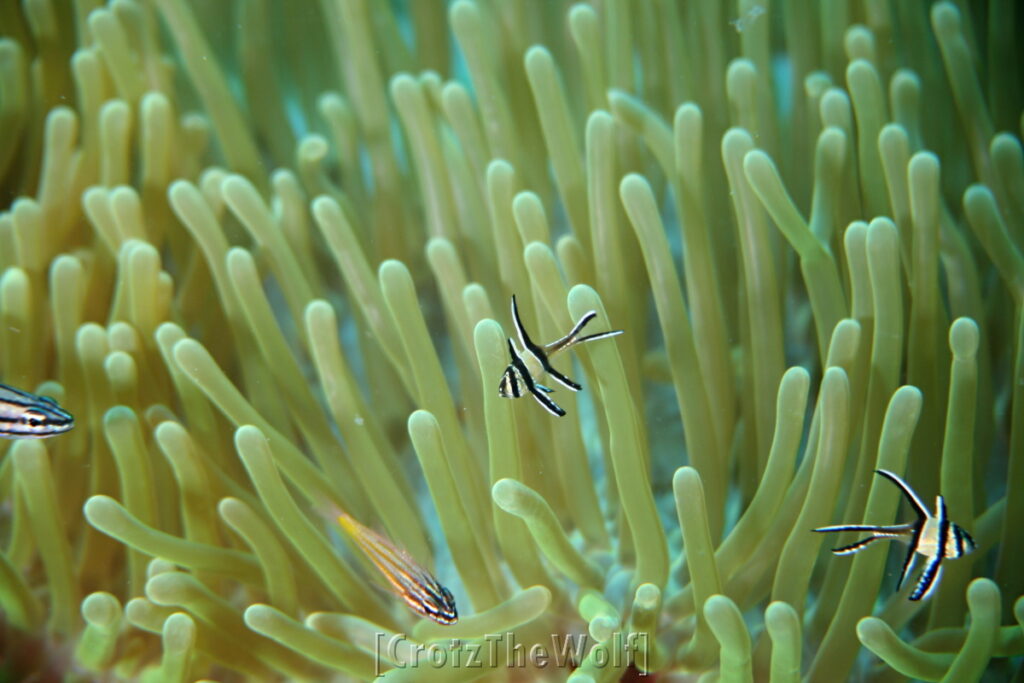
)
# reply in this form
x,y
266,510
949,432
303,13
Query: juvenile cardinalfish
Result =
x,y
28,416
409,580
534,361
931,535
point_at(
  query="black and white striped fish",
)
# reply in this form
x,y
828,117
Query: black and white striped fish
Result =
x,y
534,361
29,416
931,535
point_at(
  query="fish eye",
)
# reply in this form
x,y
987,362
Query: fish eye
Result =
x,y
33,419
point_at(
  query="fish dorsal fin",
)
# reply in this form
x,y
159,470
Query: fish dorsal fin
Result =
x,y
915,502
524,338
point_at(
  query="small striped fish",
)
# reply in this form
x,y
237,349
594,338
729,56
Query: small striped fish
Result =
x,y
28,416
519,375
931,535
408,579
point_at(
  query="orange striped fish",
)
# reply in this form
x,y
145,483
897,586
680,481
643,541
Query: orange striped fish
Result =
x,y
409,580
28,416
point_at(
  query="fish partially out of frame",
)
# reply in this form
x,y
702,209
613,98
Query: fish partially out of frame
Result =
x,y
28,416
409,580
931,535
534,361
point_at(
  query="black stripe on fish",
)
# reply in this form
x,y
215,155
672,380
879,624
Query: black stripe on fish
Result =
x,y
963,543
31,398
932,570
509,385
537,393
928,581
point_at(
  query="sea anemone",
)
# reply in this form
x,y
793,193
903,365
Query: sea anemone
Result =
x,y
263,252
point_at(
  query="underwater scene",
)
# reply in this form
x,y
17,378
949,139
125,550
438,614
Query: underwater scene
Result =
x,y
511,340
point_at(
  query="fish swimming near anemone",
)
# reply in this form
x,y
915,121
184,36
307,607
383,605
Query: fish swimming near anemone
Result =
x,y
408,579
29,416
931,535
534,361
